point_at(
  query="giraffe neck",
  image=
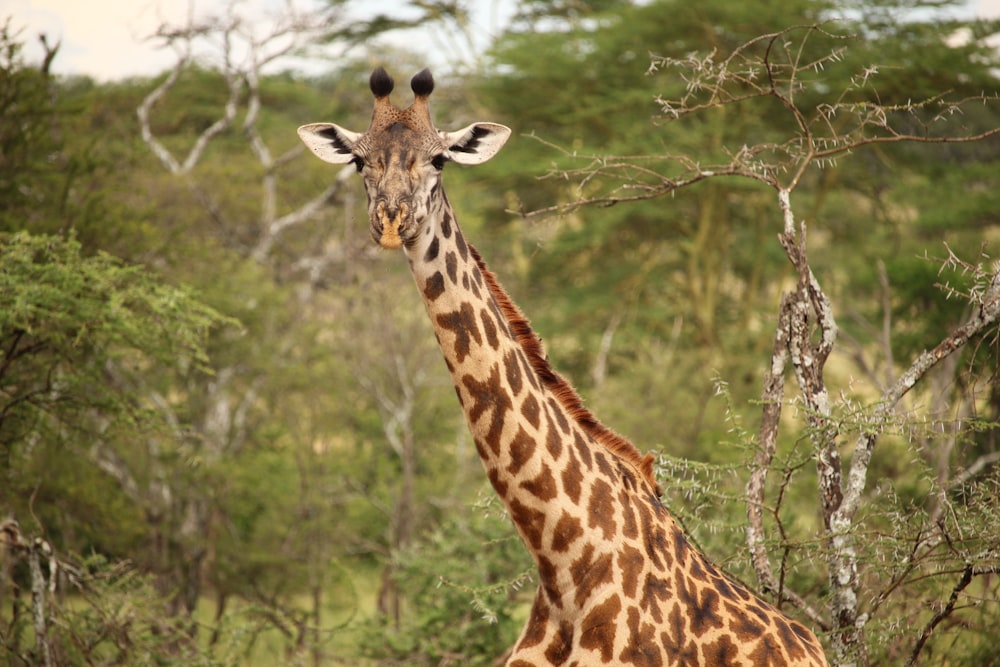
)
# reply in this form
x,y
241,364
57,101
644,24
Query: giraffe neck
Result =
x,y
618,579
546,456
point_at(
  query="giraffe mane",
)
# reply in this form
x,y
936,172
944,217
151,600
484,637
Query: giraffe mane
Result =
x,y
557,384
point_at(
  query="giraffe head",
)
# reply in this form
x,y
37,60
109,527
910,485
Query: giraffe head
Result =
x,y
401,156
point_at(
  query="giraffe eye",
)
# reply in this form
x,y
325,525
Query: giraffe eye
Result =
x,y
358,163
438,161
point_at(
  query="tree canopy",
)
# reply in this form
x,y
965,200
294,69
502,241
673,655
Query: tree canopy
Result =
x,y
758,240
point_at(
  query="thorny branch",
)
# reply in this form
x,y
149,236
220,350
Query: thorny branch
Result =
x,y
963,582
768,66
774,382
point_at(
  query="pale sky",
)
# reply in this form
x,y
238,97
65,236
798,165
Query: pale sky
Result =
x,y
104,38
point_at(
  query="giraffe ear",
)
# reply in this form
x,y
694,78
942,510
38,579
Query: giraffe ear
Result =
x,y
476,143
331,143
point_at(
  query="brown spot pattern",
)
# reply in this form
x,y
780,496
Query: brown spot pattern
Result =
x,y
522,448
572,480
599,628
490,329
722,651
768,653
553,443
560,417
535,630
463,248
590,572
499,485
630,529
529,521
549,574
656,591
568,529
451,265
641,649
513,372
485,396
462,323
790,639
601,509
543,486
561,646
434,287
630,562
702,604
446,224
432,250
583,450
529,408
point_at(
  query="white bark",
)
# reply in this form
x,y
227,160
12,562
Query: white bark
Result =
x,y
239,54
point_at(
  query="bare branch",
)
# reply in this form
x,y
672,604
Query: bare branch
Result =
x,y
239,51
772,399
159,150
973,469
599,371
984,316
944,613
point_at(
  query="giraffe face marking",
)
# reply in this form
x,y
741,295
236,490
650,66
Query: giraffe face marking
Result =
x,y
401,167
401,157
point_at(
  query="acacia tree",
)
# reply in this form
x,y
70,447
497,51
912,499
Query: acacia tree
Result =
x,y
950,537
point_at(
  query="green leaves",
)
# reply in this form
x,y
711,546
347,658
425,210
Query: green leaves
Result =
x,y
463,580
64,302
73,330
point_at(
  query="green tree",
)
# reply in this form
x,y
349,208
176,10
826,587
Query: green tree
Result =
x,y
70,324
460,579
785,109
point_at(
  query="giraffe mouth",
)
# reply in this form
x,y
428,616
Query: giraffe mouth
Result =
x,y
388,227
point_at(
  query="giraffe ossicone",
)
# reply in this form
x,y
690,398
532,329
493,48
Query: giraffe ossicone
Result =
x,y
619,584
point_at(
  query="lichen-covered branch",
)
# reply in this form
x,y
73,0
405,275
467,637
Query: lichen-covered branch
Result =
x,y
772,400
37,552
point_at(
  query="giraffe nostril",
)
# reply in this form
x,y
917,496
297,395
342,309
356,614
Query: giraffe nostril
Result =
x,y
390,222
396,213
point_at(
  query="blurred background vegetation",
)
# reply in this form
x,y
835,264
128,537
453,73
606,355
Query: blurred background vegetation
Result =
x,y
224,417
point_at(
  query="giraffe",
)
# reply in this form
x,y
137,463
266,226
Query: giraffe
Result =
x,y
618,581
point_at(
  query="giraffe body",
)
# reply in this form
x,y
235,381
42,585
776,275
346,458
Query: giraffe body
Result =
x,y
619,582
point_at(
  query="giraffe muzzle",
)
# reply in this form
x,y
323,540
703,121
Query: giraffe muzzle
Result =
x,y
388,225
